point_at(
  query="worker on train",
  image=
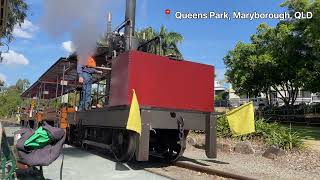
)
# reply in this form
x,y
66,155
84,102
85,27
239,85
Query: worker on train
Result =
x,y
85,78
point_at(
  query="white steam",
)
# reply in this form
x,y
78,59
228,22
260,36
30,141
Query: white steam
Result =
x,y
84,19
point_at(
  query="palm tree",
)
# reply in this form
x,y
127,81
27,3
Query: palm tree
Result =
x,y
169,41
145,35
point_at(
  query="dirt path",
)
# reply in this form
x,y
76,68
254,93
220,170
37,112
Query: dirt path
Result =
x,y
313,144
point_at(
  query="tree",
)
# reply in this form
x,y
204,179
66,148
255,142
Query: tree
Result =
x,y
145,35
16,15
9,101
284,59
169,40
222,96
272,61
309,32
10,98
247,69
22,85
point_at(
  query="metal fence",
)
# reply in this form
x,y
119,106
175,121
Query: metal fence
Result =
x,y
236,102
315,98
222,103
306,115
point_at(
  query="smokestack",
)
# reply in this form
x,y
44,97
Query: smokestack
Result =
x,y
130,15
109,24
130,27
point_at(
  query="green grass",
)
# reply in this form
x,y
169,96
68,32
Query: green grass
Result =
x,y
306,132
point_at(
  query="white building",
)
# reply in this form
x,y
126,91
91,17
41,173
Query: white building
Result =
x,y
303,97
218,88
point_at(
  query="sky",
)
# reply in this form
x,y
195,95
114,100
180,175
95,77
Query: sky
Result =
x,y
206,41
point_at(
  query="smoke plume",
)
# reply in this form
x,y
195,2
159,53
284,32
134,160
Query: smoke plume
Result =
x,y
84,20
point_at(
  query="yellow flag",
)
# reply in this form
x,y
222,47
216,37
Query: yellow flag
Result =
x,y
241,119
134,120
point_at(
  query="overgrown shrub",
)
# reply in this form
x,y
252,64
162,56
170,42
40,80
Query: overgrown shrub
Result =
x,y
223,129
270,133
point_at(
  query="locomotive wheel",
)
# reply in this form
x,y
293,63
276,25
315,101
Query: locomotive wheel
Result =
x,y
173,153
166,144
123,144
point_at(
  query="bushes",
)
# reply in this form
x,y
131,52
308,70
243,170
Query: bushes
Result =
x,y
275,134
270,133
9,100
223,129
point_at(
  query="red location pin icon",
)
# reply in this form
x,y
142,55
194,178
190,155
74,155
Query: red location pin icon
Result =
x,y
167,11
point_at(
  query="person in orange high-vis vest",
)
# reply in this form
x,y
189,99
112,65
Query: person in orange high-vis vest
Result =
x,y
85,78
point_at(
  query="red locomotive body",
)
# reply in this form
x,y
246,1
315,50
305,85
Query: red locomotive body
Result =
x,y
162,82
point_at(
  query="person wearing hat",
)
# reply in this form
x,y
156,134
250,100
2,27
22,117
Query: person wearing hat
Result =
x,y
85,78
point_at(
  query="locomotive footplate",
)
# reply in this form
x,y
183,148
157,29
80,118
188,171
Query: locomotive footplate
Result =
x,y
164,131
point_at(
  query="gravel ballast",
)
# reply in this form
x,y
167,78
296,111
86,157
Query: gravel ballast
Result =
x,y
304,164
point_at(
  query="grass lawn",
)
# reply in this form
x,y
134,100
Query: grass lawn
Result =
x,y
307,132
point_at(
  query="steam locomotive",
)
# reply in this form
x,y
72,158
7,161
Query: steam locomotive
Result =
x,y
175,96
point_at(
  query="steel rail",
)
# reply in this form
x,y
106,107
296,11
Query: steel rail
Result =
x,y
211,171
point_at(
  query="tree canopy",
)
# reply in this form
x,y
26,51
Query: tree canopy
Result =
x,y
22,84
16,14
169,44
10,98
308,32
283,59
169,41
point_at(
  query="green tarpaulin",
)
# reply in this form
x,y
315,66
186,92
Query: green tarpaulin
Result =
x,y
38,140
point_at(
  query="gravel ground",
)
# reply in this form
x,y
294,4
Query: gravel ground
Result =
x,y
174,172
307,162
294,165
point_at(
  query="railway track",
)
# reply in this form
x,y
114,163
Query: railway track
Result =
x,y
211,171
185,170
177,170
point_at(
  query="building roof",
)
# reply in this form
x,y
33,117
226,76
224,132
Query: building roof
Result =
x,y
218,86
50,81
